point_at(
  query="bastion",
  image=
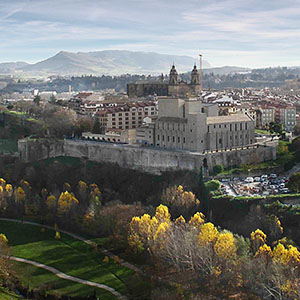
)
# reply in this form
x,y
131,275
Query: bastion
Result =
x,y
147,159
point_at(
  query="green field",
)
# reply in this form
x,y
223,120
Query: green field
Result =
x,y
68,255
8,146
5,294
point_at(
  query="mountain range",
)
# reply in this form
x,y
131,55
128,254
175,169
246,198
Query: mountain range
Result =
x,y
108,62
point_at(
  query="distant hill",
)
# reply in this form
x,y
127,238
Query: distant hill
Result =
x,y
10,67
109,62
226,70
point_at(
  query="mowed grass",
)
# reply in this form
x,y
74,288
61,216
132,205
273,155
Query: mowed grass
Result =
x,y
68,255
5,294
34,277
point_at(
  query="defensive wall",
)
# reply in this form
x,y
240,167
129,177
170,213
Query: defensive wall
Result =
x,y
147,159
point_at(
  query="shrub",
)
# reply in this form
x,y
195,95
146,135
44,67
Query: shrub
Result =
x,y
218,169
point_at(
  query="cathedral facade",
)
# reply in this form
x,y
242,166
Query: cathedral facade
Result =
x,y
173,87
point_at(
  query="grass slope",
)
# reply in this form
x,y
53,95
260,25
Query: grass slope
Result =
x,y
68,255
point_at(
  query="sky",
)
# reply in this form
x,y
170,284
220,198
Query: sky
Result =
x,y
252,33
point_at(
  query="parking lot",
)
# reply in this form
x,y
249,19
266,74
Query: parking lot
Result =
x,y
255,186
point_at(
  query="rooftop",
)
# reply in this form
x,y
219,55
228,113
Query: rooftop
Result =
x,y
228,119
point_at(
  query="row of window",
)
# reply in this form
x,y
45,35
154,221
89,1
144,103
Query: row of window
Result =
x,y
170,126
231,127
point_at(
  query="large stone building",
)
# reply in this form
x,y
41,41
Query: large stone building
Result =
x,y
196,126
173,87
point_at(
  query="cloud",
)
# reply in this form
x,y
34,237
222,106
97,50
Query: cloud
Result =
x,y
227,32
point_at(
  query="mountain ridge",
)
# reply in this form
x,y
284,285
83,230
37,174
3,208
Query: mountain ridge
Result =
x,y
105,62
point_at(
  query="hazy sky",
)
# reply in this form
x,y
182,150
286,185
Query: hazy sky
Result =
x,y
246,33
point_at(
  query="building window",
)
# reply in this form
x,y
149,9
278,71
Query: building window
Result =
x,y
207,128
173,139
158,137
241,126
178,126
163,138
230,127
246,126
220,141
178,139
184,140
235,127
219,126
202,110
214,126
168,139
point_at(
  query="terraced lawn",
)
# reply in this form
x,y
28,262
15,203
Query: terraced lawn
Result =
x,y
68,255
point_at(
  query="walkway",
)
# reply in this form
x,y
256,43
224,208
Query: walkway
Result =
x,y
68,277
78,237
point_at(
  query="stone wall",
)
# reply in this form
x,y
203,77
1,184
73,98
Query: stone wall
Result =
x,y
142,158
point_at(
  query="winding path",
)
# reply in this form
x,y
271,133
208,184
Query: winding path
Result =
x,y
63,275
78,237
68,277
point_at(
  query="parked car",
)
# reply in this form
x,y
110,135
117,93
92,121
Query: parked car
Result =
x,y
266,182
263,177
273,176
249,179
257,179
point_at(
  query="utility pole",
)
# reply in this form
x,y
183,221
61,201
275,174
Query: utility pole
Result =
x,y
201,72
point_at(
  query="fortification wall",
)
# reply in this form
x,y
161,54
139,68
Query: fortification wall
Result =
x,y
142,158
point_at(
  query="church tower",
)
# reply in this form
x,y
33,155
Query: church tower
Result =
x,y
173,75
195,76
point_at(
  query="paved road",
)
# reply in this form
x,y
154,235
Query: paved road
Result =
x,y
68,277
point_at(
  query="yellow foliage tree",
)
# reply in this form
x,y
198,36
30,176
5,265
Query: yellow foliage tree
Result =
x,y
3,238
57,235
82,186
208,234
162,214
280,254
2,182
180,221
197,220
225,245
258,238
66,201
51,201
264,252
20,195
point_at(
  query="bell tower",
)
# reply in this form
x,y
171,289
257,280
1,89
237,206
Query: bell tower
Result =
x,y
195,76
173,75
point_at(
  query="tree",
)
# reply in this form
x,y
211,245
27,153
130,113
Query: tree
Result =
x,y
217,169
294,182
97,128
37,100
213,185
52,99
275,128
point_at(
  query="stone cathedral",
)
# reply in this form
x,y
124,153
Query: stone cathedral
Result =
x,y
173,87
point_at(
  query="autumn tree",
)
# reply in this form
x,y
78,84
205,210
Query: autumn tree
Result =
x,y
180,201
294,182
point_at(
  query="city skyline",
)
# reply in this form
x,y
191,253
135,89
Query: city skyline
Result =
x,y
245,33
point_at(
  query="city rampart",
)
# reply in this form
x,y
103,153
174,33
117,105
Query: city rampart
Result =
x,y
143,158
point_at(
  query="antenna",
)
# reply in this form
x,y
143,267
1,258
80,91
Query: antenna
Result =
x,y
201,72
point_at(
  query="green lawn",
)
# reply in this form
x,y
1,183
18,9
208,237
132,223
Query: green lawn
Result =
x,y
5,294
7,145
68,255
261,131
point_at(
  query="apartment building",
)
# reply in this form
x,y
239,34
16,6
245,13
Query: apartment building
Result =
x,y
127,116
